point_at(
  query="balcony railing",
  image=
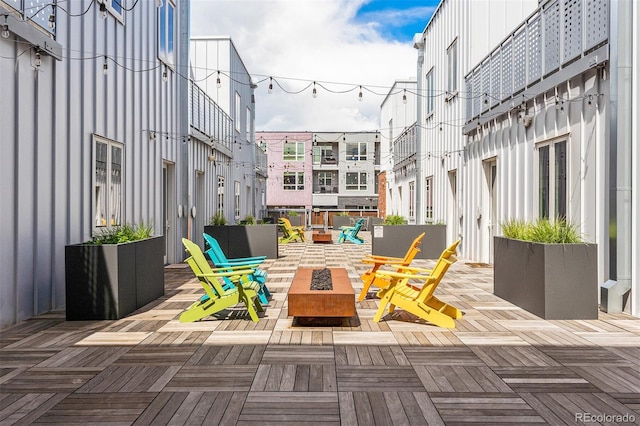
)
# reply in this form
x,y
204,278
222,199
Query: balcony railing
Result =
x,y
404,147
208,118
559,33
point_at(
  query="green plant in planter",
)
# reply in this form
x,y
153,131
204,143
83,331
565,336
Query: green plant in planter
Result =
x,y
248,220
542,231
292,213
394,219
122,234
343,214
218,219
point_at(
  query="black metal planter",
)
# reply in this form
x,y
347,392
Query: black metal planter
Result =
x,y
246,240
109,281
394,240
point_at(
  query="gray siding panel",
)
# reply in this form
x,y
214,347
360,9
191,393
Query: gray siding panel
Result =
x,y
48,118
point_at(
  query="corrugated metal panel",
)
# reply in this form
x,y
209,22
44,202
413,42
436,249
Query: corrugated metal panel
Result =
x,y
47,170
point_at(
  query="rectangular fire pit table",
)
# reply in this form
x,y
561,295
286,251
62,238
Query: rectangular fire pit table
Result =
x,y
338,302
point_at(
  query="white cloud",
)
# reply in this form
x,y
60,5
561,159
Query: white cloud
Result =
x,y
302,41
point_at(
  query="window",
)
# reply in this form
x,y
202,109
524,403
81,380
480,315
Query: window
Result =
x,y
166,32
221,194
236,196
356,181
293,181
293,151
430,93
412,199
356,151
247,125
428,204
452,62
552,180
108,183
325,179
237,116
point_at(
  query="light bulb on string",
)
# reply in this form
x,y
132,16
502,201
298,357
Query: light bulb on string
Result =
x,y
404,96
103,10
52,17
105,67
360,95
5,28
38,61
159,3
218,82
314,93
270,85
165,75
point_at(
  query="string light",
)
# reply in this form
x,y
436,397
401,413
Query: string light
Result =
x,y
218,82
360,95
52,17
165,75
5,28
103,10
404,96
38,61
105,67
270,85
314,93
159,3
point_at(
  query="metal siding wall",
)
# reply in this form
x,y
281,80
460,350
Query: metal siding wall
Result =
x,y
48,122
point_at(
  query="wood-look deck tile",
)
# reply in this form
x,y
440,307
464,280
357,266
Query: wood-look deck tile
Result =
x,y
25,357
27,408
98,408
611,378
303,354
227,355
370,355
156,355
387,408
85,356
295,378
390,378
513,356
585,356
447,378
459,355
484,408
277,408
204,378
50,380
544,379
114,339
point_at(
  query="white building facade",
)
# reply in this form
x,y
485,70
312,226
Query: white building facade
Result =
x,y
227,157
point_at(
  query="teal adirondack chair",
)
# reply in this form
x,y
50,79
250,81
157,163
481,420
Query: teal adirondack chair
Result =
x,y
350,233
216,297
219,259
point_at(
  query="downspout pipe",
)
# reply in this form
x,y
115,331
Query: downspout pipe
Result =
x,y
418,43
620,159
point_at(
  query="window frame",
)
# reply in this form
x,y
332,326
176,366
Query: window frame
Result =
x,y
325,179
298,181
167,36
359,156
552,183
361,186
428,198
298,152
220,195
452,69
236,196
412,199
429,91
100,222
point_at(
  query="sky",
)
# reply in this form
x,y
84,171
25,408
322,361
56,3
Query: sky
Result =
x,y
342,45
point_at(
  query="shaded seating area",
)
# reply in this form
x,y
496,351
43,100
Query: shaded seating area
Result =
x,y
350,233
290,233
419,301
216,297
370,278
220,260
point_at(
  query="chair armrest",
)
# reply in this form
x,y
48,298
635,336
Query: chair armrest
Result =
x,y
238,274
381,259
256,259
393,274
411,269
236,269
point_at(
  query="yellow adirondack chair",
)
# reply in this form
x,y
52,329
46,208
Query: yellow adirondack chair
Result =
x,y
419,301
290,233
369,278
216,297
